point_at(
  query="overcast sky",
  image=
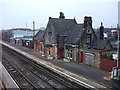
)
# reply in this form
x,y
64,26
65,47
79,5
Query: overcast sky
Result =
x,y
16,13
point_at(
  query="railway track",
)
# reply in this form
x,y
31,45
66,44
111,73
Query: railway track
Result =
x,y
28,74
26,68
17,75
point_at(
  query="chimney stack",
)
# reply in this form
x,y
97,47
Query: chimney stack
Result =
x,y
101,31
87,20
33,28
62,15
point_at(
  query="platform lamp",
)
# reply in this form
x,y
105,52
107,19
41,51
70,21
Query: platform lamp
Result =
x,y
115,75
118,47
118,54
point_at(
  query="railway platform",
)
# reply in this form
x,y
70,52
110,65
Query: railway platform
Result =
x,y
6,81
87,75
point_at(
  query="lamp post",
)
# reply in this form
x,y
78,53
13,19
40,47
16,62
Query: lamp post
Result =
x,y
116,70
118,53
118,48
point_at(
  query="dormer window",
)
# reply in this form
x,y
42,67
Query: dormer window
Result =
x,y
88,38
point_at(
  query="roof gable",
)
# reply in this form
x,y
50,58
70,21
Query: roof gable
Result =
x,y
39,35
101,44
63,26
75,35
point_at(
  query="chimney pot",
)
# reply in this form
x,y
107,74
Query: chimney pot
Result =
x,y
49,18
101,31
61,15
101,23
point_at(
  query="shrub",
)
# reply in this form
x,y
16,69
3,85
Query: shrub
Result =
x,y
108,56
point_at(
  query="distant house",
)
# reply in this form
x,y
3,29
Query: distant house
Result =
x,y
39,41
105,33
5,35
55,34
109,33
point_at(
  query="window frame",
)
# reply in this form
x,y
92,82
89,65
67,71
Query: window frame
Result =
x,y
88,38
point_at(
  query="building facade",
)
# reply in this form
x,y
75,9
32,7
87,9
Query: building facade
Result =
x,y
39,41
83,46
80,38
55,34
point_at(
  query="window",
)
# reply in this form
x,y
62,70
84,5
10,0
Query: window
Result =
x,y
69,53
50,36
88,38
49,51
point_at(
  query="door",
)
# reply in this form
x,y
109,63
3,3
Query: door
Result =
x,y
61,54
81,57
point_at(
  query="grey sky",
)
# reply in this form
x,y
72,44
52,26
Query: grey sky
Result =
x,y
16,13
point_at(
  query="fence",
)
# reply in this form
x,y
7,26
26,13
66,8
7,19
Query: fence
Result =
x,y
107,65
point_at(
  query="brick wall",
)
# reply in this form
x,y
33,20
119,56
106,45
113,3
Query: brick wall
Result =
x,y
107,65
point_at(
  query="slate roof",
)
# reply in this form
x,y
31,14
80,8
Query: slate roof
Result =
x,y
39,35
75,35
97,33
63,26
99,44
